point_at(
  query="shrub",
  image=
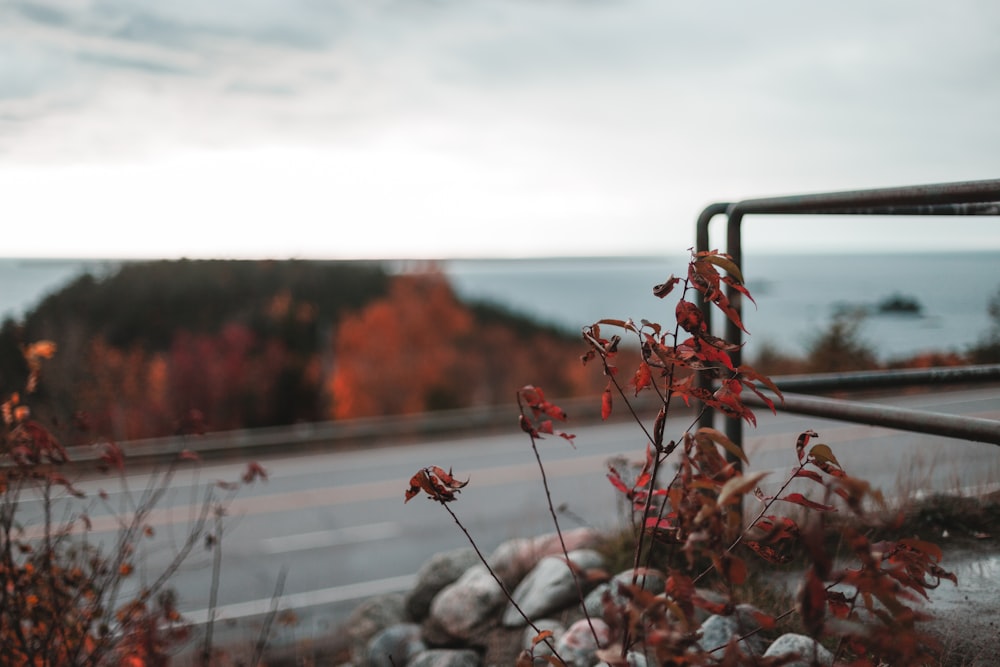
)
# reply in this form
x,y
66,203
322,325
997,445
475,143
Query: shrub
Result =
x,y
693,511
66,598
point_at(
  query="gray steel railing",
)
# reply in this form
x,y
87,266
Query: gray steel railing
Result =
x,y
947,199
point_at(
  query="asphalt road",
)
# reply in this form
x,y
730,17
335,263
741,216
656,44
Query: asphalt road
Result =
x,y
337,526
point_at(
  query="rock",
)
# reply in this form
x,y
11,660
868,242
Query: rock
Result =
x,y
633,659
395,645
718,630
513,559
549,587
577,646
371,617
464,608
594,602
805,647
445,658
442,569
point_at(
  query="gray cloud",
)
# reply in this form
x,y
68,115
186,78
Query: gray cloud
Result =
x,y
645,100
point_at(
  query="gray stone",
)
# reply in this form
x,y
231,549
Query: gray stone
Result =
x,y
371,617
445,658
593,604
462,609
633,659
718,630
805,647
577,646
513,559
439,571
549,587
394,646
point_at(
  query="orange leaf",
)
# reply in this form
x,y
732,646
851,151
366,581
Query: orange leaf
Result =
x,y
606,402
642,378
540,637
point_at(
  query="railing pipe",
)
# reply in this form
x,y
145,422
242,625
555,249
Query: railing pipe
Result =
x,y
919,421
820,382
964,198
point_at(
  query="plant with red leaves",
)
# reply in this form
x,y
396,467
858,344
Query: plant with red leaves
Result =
x,y
697,515
61,589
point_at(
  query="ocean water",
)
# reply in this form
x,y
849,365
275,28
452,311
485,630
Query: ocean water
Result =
x,y
796,295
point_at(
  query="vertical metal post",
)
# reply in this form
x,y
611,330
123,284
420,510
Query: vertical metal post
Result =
x,y
702,240
734,335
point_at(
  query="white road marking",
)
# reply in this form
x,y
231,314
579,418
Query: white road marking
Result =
x,y
358,591
330,538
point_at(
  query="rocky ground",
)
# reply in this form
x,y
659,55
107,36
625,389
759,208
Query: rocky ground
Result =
x,y
966,615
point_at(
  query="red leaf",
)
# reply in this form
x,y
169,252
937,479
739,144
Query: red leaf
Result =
x,y
800,444
653,523
768,553
253,472
554,411
112,457
568,437
616,480
799,499
606,402
719,608
739,287
815,476
436,483
812,603
690,317
663,289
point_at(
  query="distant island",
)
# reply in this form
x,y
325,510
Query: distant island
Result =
x,y
894,304
900,304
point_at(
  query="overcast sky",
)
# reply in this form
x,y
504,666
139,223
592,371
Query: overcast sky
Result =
x,y
441,128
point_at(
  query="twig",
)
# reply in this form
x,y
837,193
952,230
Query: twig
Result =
x,y
265,631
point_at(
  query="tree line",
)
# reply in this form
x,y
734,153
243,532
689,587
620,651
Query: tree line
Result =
x,y
166,347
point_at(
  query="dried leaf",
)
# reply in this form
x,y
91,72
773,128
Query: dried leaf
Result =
x,y
436,483
664,288
721,438
724,262
823,453
739,485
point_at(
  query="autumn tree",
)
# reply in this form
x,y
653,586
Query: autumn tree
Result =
x,y
397,355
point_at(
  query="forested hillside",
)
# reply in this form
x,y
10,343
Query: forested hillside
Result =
x,y
165,347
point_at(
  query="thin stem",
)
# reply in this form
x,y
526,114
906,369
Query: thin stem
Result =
x,y
743,533
265,631
555,521
503,588
213,599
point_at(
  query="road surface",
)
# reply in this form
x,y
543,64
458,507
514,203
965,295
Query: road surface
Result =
x,y
337,525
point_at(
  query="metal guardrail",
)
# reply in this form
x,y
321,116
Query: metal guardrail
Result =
x,y
333,435
946,199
